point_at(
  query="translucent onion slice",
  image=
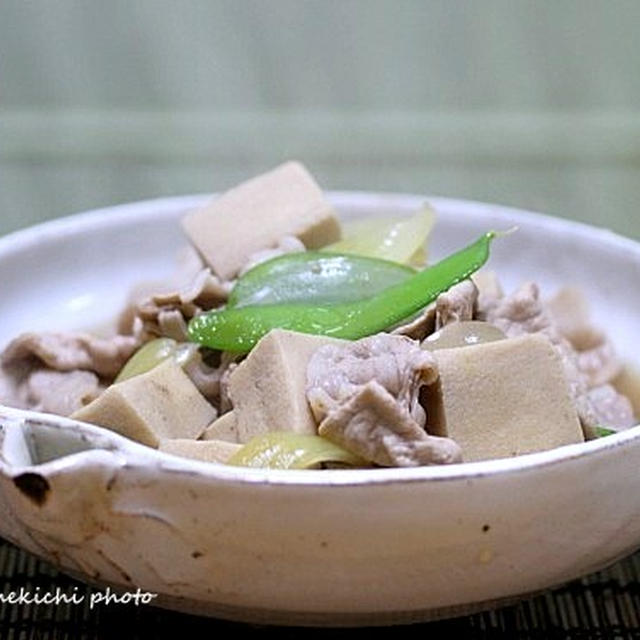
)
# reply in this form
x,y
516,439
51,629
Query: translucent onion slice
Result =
x,y
395,239
153,353
288,450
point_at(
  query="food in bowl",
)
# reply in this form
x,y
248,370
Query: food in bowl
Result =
x,y
293,343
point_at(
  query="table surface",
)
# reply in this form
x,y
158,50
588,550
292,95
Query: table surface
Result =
x,y
603,605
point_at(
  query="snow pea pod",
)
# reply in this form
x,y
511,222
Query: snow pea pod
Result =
x,y
314,276
239,329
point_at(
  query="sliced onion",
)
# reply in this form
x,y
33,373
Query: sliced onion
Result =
x,y
153,353
395,239
289,450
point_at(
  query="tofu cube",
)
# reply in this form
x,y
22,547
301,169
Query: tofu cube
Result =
x,y
224,428
205,450
502,399
256,214
162,403
268,389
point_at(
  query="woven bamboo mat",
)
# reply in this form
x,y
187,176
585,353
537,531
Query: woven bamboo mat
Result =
x,y
605,605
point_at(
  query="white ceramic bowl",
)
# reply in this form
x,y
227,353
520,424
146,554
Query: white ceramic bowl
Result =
x,y
306,547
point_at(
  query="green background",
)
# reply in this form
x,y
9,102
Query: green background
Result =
x,y
534,104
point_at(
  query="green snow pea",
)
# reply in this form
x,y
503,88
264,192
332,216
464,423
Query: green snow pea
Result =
x,y
314,276
601,432
239,329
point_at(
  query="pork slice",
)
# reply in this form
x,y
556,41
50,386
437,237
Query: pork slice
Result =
x,y
523,312
61,392
13,391
228,364
520,313
398,364
59,373
365,396
167,314
458,304
189,265
211,378
610,408
71,351
374,425
419,327
597,357
598,360
455,305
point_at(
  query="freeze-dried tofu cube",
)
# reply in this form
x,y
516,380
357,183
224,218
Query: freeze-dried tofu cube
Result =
x,y
162,403
268,389
256,214
502,398
205,450
224,428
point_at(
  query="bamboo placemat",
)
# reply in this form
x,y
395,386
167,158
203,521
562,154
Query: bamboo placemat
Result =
x,y
604,605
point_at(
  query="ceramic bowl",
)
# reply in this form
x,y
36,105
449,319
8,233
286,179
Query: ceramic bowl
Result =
x,y
337,547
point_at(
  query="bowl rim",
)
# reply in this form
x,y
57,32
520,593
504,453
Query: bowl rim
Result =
x,y
96,219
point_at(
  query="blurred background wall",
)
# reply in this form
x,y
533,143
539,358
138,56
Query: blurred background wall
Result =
x,y
533,103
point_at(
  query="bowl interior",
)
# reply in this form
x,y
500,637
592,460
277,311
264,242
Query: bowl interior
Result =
x,y
76,273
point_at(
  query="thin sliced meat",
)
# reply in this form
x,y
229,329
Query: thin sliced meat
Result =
x,y
419,327
398,364
373,425
455,305
523,312
61,392
458,304
71,351
365,397
59,373
167,314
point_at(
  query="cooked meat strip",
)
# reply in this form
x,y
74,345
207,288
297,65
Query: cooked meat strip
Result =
x,y
13,391
523,312
597,357
372,424
60,373
211,378
397,363
598,361
167,314
419,327
229,363
61,392
456,305
71,351
365,396
610,408
189,265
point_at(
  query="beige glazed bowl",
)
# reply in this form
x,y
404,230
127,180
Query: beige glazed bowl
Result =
x,y
309,547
